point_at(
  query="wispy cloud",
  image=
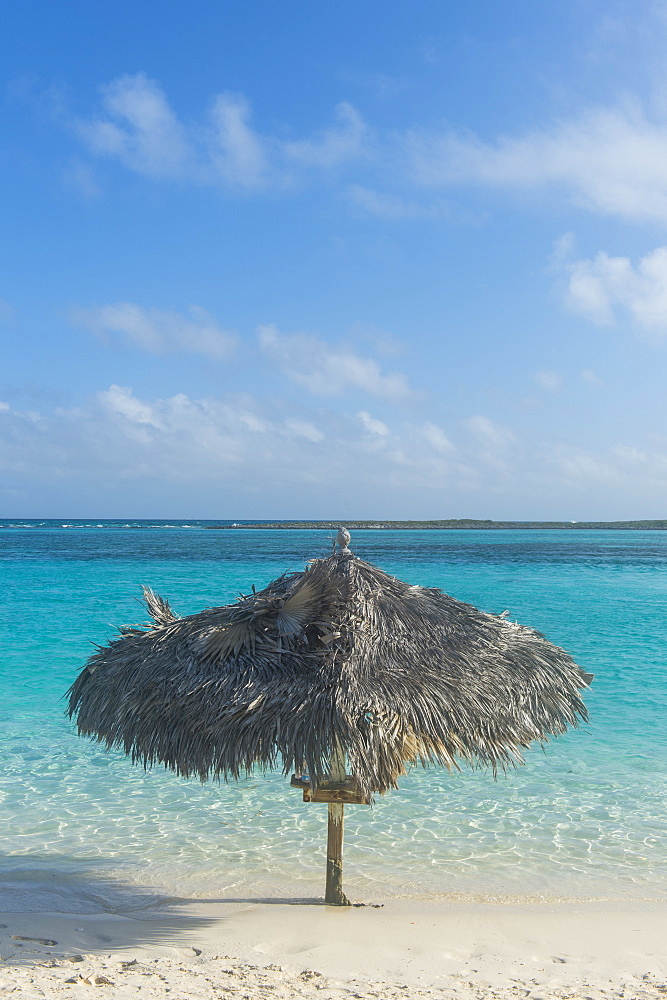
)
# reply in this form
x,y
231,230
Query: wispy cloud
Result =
x,y
237,153
238,442
304,429
325,370
592,378
159,331
551,381
581,466
492,444
371,425
237,453
609,160
240,456
332,146
138,127
437,439
392,207
489,432
606,289
165,430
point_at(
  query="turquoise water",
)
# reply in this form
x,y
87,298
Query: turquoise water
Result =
x,y
84,830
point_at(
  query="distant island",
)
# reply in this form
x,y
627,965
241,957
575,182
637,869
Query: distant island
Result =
x,y
462,524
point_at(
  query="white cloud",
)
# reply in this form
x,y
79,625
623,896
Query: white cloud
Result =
x,y
237,151
577,464
238,456
605,288
160,331
437,439
139,128
196,445
371,425
174,437
630,454
330,371
551,381
489,432
238,446
610,160
121,401
12,416
332,146
634,477
493,445
383,205
592,378
304,429
382,343
607,159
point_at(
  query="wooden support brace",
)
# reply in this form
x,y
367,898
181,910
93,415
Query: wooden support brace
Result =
x,y
346,790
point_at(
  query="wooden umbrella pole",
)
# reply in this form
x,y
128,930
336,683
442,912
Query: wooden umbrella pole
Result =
x,y
334,889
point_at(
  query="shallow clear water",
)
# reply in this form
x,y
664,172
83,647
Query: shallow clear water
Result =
x,y
83,829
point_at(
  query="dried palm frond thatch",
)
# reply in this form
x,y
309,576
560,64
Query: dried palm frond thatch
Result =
x,y
341,660
341,654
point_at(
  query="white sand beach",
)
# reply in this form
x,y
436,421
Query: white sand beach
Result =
x,y
406,948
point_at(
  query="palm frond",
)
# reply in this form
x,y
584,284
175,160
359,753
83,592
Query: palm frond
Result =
x,y
341,654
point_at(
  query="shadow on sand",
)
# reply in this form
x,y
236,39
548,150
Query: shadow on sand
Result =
x,y
54,905
76,905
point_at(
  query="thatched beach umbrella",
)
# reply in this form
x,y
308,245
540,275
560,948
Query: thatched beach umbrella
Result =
x,y
338,664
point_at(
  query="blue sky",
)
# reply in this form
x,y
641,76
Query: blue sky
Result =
x,y
352,259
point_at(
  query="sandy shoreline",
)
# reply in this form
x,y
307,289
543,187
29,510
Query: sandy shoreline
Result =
x,y
406,948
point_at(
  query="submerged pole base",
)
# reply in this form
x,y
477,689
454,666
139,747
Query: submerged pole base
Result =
x,y
334,895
